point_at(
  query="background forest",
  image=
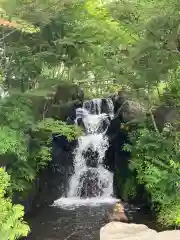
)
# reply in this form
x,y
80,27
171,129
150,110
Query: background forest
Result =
x,y
102,44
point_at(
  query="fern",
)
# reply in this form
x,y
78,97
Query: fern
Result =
x,y
50,125
156,161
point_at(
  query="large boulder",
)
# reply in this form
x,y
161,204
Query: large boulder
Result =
x,y
131,111
127,108
125,231
166,114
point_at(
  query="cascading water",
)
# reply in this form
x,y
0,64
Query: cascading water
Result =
x,y
91,181
82,213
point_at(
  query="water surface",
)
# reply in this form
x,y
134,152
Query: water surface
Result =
x,y
80,223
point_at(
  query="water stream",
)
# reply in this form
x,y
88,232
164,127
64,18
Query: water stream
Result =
x,y
81,213
91,182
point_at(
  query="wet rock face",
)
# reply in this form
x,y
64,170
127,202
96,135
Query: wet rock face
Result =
x,y
104,106
128,113
88,186
119,98
91,157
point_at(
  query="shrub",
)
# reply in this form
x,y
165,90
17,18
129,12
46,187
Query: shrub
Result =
x,y
155,157
12,225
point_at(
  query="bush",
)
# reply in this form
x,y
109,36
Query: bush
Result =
x,y
12,225
25,145
155,157
25,149
41,139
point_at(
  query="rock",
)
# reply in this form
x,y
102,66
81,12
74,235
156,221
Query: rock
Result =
x,y
118,214
78,94
105,105
62,103
120,97
91,156
165,114
131,111
126,109
68,92
125,231
88,184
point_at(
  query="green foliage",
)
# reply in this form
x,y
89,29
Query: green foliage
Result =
x,y
11,142
100,45
41,139
15,118
172,91
25,146
52,126
12,225
128,187
155,157
129,42
16,112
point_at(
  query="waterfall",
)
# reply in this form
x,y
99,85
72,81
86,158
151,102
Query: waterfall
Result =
x,y
91,181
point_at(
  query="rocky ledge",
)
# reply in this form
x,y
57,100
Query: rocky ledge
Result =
x,y
125,231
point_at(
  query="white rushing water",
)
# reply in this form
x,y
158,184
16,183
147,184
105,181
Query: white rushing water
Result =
x,y
91,182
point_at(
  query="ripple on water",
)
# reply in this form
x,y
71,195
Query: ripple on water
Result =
x,y
70,220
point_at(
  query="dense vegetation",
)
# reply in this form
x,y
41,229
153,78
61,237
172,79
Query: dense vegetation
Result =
x,y
102,44
25,150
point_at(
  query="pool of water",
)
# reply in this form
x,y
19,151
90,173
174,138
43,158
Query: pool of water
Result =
x,y
57,223
80,220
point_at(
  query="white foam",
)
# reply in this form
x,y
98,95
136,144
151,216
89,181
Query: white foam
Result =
x,y
72,203
101,180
